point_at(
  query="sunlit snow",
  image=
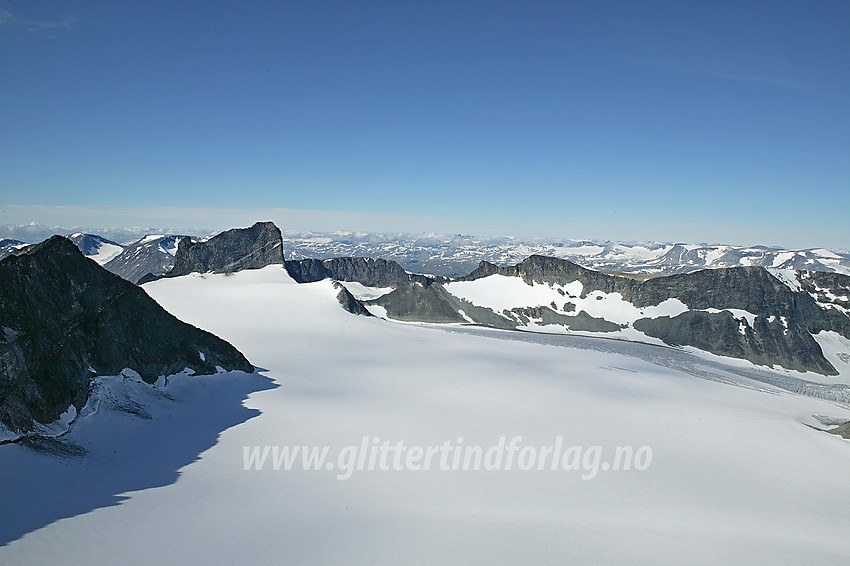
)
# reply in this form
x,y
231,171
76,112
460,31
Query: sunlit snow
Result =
x,y
736,476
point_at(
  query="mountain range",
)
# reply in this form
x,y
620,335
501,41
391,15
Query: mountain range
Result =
x,y
518,351
66,318
457,255
743,312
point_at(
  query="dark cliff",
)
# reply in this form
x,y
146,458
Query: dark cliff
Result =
x,y
781,332
367,271
65,319
231,251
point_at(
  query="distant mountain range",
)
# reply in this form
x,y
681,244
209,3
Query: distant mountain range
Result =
x,y
152,254
457,255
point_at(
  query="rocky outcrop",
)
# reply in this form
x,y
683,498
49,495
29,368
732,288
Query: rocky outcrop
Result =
x,y
415,302
367,271
581,322
743,312
538,269
765,343
831,293
349,302
843,431
64,319
752,289
231,251
307,270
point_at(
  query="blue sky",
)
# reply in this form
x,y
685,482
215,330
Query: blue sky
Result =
x,y
711,121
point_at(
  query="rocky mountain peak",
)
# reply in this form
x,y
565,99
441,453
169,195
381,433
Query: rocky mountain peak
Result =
x,y
231,251
65,319
743,312
368,271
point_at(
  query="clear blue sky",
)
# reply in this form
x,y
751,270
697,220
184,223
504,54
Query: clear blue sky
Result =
x,y
708,121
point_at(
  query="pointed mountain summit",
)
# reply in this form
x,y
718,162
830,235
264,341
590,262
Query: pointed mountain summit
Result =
x,y
64,319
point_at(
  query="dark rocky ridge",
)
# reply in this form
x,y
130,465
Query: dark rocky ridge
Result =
x,y
752,289
414,302
842,431
349,302
228,252
419,298
65,319
831,291
581,321
764,343
367,271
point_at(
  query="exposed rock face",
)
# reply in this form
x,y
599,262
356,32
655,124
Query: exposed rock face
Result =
x,y
368,271
831,292
721,333
65,319
832,287
415,302
536,268
307,270
349,302
842,431
231,251
783,319
582,321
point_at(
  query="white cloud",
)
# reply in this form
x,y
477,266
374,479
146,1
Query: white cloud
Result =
x,y
9,19
6,17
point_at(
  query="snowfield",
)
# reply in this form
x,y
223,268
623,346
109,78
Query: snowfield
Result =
x,y
364,293
106,252
500,292
738,473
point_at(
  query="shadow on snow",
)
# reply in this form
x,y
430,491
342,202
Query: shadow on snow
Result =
x,y
115,451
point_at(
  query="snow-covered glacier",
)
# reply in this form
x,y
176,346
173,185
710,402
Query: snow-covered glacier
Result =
x,y
739,471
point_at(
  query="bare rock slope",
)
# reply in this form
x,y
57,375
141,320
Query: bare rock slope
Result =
x,y
64,319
